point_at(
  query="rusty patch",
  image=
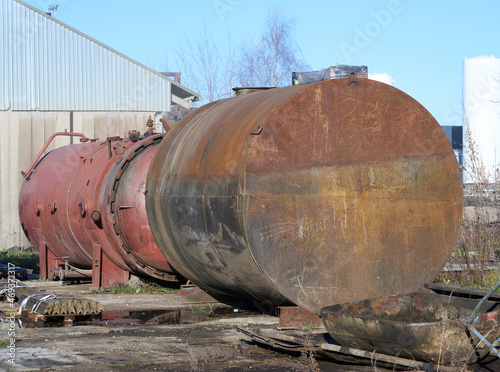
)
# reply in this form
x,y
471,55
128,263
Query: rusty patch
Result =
x,y
424,326
293,317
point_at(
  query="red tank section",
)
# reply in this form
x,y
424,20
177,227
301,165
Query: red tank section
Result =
x,y
83,207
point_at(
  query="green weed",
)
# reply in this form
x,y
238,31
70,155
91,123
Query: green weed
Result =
x,y
145,286
27,258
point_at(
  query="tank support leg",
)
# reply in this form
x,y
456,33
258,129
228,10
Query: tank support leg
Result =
x,y
104,272
46,260
96,266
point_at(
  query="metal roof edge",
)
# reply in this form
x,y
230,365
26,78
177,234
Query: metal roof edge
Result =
x,y
196,96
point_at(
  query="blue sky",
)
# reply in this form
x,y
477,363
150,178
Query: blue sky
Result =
x,y
422,44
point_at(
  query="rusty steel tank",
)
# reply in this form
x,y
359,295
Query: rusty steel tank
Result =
x,y
310,195
82,206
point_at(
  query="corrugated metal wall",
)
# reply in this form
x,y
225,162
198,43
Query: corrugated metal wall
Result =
x,y
23,134
49,66
53,78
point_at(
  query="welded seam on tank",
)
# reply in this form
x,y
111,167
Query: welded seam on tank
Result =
x,y
185,261
214,250
425,158
67,205
126,163
158,211
245,195
120,172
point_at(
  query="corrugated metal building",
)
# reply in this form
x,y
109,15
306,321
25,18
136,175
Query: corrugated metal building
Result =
x,y
53,78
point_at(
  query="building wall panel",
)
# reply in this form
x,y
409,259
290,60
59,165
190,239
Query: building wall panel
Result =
x,y
5,220
48,66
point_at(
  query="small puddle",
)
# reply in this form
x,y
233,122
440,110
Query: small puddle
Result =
x,y
154,317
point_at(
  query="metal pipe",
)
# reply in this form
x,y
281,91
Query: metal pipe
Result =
x,y
74,274
39,155
386,358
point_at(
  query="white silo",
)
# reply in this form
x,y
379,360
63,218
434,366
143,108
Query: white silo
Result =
x,y
481,104
384,78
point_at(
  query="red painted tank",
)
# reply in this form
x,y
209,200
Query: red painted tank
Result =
x,y
83,207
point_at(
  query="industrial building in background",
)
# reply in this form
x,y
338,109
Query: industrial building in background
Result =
x,y
52,78
481,103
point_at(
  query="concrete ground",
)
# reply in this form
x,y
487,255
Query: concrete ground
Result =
x,y
175,337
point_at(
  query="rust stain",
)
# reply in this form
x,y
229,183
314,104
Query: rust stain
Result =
x,y
422,326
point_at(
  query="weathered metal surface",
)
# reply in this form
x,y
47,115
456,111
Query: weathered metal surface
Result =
x,y
314,194
54,180
123,204
423,326
293,317
90,195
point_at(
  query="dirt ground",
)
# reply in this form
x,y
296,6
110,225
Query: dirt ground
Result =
x,y
176,337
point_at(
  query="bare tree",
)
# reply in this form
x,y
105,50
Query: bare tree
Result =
x,y
211,68
207,66
271,61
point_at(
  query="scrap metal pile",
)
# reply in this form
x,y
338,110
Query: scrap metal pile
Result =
x,y
422,330
38,302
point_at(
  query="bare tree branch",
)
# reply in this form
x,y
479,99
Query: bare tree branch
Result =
x,y
207,66
211,68
271,61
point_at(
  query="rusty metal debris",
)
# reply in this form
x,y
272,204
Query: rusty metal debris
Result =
x,y
293,317
322,345
192,294
43,303
378,357
423,326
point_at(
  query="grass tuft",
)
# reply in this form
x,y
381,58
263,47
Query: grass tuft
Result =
x,y
144,286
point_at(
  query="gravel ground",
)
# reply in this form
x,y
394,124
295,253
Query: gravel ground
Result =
x,y
175,337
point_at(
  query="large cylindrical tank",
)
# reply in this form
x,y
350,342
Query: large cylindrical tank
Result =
x,y
481,91
89,194
313,194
